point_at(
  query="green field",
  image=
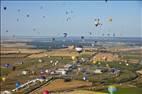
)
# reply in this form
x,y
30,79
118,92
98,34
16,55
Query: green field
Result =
x,y
130,90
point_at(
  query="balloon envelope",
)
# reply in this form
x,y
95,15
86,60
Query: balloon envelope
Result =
x,y
110,19
82,37
73,57
65,34
28,15
46,92
17,84
79,49
4,8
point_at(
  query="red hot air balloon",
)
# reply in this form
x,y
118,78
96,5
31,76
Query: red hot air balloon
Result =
x,y
45,92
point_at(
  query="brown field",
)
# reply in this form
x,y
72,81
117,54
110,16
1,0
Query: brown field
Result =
x,y
81,92
10,60
19,50
131,49
60,52
105,56
60,85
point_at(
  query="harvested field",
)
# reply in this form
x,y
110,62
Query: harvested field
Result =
x,y
60,85
81,92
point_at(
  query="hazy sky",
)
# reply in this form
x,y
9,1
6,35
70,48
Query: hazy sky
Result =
x,y
48,18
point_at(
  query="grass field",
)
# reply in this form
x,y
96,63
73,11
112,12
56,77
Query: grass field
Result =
x,y
130,90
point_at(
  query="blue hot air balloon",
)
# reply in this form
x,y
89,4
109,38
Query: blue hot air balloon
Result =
x,y
17,84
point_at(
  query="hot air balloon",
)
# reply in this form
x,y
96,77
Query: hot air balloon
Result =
x,y
24,72
53,39
4,8
110,19
103,35
17,19
13,68
65,35
113,34
97,22
108,34
43,16
79,49
41,7
18,10
67,12
73,57
84,78
82,37
28,15
127,64
6,92
40,60
34,29
69,18
96,41
3,79
13,36
17,84
6,65
45,92
71,11
6,31
90,33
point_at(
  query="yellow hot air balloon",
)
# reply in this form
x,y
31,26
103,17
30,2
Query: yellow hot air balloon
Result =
x,y
3,79
73,57
94,62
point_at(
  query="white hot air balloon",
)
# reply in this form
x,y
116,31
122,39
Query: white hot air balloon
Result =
x,y
79,49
